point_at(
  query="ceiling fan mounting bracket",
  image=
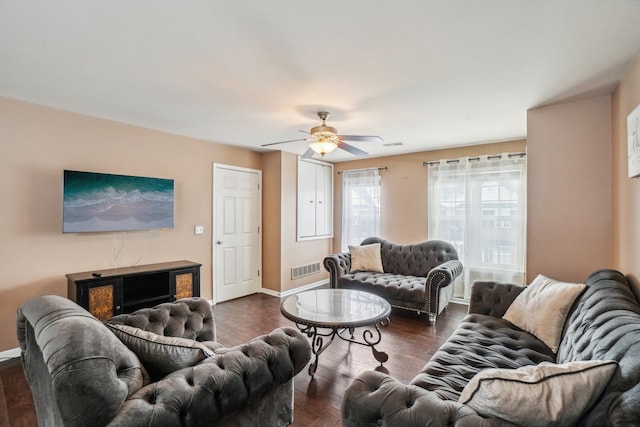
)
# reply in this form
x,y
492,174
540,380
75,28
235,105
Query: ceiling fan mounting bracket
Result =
x,y
324,115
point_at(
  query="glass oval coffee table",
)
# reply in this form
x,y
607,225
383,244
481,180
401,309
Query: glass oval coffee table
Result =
x,y
327,313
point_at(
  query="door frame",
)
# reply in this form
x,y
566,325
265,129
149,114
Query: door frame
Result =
x,y
215,203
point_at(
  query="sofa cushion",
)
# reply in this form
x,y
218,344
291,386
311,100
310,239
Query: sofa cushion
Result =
x,y
161,355
366,258
538,395
542,308
480,342
398,289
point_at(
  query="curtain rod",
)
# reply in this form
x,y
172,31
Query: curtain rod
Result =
x,y
362,170
497,156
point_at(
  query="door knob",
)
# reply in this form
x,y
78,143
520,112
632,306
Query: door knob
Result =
x,y
219,242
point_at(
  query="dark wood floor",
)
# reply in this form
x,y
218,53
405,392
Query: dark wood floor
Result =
x,y
408,341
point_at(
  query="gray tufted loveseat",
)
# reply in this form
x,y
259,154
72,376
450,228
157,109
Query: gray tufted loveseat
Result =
x,y
81,374
604,324
416,276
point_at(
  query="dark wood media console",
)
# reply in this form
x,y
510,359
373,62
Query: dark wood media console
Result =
x,y
106,293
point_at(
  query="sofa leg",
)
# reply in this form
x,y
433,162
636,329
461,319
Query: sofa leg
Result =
x,y
432,319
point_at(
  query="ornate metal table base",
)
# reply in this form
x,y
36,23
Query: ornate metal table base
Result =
x,y
323,314
317,334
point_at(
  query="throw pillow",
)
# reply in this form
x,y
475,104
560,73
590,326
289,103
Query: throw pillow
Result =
x,y
366,258
542,308
539,395
160,355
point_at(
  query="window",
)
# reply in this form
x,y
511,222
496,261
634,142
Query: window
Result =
x,y
478,204
360,206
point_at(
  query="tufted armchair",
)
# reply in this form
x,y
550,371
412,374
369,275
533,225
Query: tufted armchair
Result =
x,y
416,276
82,374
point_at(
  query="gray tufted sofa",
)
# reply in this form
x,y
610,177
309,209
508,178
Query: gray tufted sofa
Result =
x,y
416,276
81,374
604,324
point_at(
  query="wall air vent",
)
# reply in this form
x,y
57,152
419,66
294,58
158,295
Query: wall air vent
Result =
x,y
305,270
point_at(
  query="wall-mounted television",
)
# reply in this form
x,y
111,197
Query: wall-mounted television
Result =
x,y
98,202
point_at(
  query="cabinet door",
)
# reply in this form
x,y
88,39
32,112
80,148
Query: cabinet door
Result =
x,y
103,298
306,199
315,200
324,198
185,283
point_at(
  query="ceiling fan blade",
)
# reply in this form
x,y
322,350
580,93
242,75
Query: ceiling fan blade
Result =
x,y
282,142
351,149
308,154
361,138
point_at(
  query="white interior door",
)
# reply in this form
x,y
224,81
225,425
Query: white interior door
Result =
x,y
237,253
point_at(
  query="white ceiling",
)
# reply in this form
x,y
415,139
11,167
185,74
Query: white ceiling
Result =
x,y
427,73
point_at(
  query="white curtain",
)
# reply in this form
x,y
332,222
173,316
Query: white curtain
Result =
x,y
479,205
360,206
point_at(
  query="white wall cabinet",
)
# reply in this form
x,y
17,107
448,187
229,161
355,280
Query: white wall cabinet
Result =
x,y
315,199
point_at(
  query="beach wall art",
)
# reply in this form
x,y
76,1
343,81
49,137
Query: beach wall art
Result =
x,y
99,202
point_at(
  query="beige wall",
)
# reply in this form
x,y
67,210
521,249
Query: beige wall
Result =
x,y
626,191
569,189
403,216
37,143
286,251
271,212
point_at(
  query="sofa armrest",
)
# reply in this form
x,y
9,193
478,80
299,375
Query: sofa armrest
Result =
x,y
375,398
444,274
440,277
337,265
221,385
78,371
492,298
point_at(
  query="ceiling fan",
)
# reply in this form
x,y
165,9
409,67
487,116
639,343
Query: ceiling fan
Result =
x,y
324,139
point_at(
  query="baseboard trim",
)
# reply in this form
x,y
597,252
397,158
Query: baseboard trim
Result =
x,y
460,301
295,290
10,354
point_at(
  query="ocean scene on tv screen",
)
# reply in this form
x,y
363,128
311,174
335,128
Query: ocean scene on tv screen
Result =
x,y
95,202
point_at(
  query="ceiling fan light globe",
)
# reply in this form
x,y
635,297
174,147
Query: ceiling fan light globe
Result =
x,y
323,147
